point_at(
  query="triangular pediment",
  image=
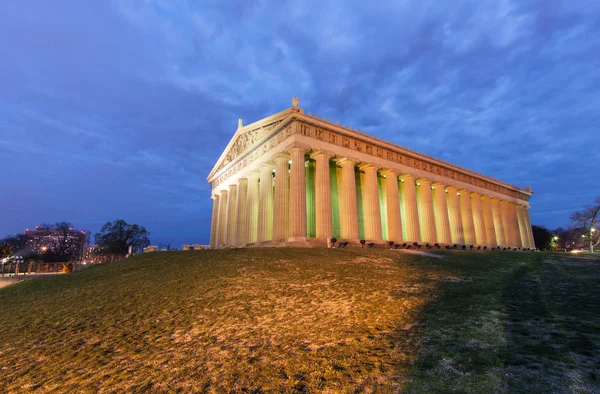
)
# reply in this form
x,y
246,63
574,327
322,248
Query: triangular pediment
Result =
x,y
248,137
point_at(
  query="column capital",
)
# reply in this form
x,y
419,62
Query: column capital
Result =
x,y
281,157
406,177
321,153
347,160
253,175
368,166
298,148
232,186
242,179
464,191
214,196
451,188
474,194
438,184
389,172
424,181
265,166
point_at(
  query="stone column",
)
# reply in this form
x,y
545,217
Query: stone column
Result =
x,y
522,227
478,222
514,224
508,238
252,208
348,203
371,201
394,222
498,225
297,216
466,216
456,225
411,211
214,225
488,220
529,229
281,208
426,211
265,203
222,218
241,204
231,215
324,224
442,222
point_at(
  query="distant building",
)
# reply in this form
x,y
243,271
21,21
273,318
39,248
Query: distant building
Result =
x,y
194,247
41,240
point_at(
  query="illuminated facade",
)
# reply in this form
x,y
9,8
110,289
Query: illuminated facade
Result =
x,y
294,179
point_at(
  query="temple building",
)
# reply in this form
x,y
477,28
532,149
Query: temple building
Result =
x,y
294,179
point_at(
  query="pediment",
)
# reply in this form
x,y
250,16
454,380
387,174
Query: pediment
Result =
x,y
246,138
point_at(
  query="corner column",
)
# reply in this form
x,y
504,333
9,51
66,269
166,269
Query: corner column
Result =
x,y
323,219
214,221
241,205
371,200
411,211
514,224
522,226
394,221
442,222
281,204
426,210
529,229
348,203
297,215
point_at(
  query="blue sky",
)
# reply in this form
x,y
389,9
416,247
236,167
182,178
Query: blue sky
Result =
x,y
118,109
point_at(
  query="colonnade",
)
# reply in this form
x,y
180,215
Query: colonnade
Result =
x,y
298,197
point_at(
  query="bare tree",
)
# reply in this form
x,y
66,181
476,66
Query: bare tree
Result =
x,y
587,220
65,245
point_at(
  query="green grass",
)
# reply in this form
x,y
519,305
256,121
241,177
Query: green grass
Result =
x,y
297,320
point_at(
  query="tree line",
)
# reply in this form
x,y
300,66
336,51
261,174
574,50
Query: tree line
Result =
x,y
117,238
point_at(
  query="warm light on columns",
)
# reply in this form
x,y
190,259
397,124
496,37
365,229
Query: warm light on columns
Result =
x,y
281,198
348,202
394,221
214,221
242,214
231,215
478,221
522,226
466,216
265,203
297,215
410,208
497,217
372,213
456,226
442,222
222,218
323,218
488,220
252,207
426,215
508,238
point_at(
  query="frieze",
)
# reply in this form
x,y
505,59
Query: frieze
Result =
x,y
354,144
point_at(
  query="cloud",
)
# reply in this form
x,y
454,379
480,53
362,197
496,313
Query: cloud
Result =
x,y
135,100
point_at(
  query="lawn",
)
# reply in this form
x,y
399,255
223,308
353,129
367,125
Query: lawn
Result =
x,y
307,320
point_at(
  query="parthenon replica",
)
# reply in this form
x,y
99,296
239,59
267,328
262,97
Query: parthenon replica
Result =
x,y
294,179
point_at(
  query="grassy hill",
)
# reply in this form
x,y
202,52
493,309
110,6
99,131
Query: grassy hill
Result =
x,y
296,320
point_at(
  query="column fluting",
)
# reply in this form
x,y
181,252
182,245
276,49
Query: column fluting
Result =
x,y
394,221
442,221
297,207
488,220
498,225
466,215
323,218
426,215
222,218
456,225
281,203
348,202
478,221
372,212
265,203
410,209
231,215
241,205
214,225
508,238
252,207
